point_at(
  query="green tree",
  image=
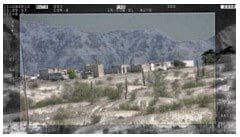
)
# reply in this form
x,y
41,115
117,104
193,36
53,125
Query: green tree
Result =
x,y
208,57
72,73
178,64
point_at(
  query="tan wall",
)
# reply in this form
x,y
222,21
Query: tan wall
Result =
x,y
146,67
100,70
189,63
97,69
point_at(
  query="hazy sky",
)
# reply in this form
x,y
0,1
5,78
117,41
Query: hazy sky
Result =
x,y
179,26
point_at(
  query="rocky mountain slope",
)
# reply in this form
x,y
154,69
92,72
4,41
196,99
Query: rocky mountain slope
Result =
x,y
51,46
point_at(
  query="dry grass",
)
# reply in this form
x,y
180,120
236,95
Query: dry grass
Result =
x,y
128,106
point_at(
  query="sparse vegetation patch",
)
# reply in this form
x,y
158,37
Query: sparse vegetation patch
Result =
x,y
33,84
127,106
61,115
192,85
109,78
133,96
99,82
136,82
170,107
53,100
95,119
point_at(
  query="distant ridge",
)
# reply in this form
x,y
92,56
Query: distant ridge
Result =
x,y
46,46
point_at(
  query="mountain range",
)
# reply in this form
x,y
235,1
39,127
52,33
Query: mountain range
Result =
x,y
52,46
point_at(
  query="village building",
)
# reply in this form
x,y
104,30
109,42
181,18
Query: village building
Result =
x,y
118,69
168,64
93,70
152,66
113,70
163,65
87,75
188,63
53,74
122,69
160,66
146,67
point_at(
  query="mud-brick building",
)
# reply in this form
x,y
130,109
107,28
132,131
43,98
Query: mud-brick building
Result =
x,y
96,70
189,63
53,74
122,69
112,71
146,67
163,65
87,75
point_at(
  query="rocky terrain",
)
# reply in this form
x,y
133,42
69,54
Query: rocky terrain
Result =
x,y
115,120
135,110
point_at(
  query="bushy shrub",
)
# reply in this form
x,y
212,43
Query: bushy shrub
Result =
x,y
133,96
152,102
127,106
189,101
201,100
159,83
113,94
189,92
95,119
99,82
150,110
175,85
33,84
204,100
208,57
48,101
176,73
210,74
167,94
192,85
109,78
71,73
135,82
67,91
175,105
172,106
178,63
61,113
81,91
185,75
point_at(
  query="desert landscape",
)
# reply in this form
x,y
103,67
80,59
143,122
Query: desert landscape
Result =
x,y
174,96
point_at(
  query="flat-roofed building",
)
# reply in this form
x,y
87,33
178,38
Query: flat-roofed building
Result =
x,y
96,69
112,71
87,75
160,66
123,69
188,63
146,67
53,74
